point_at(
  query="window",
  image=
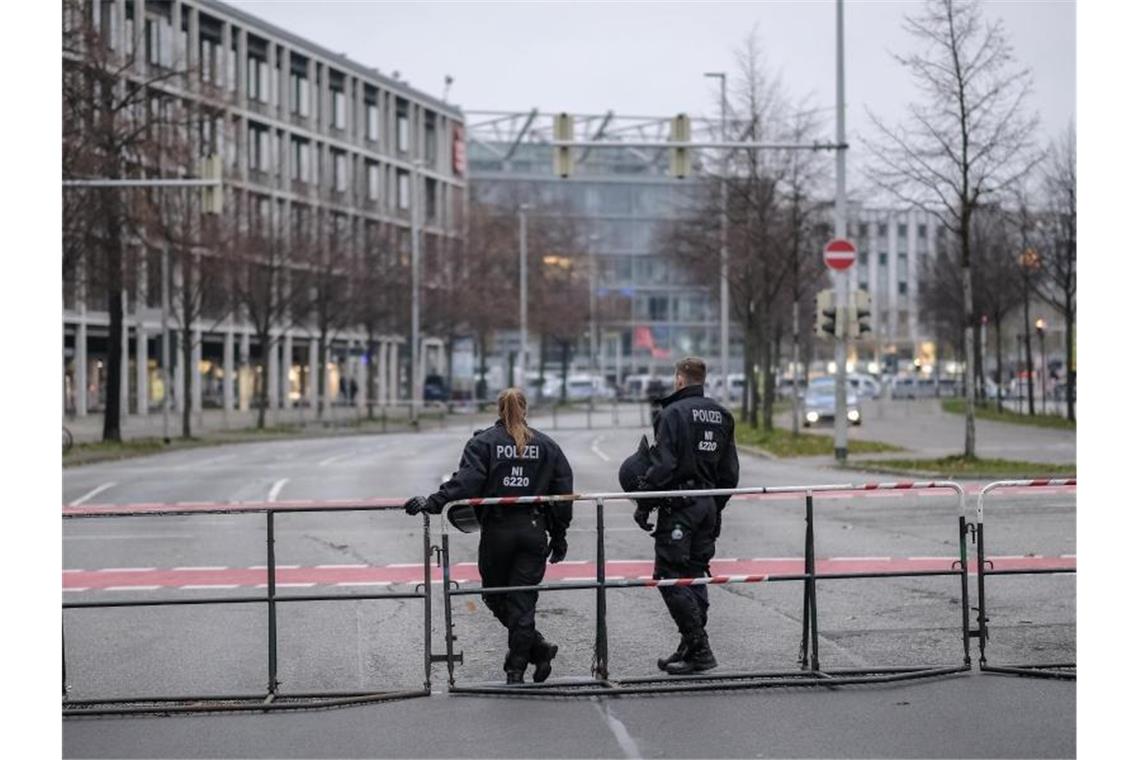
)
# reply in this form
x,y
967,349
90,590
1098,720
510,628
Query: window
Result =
x,y
882,230
864,229
298,94
402,133
340,172
901,267
403,197
882,259
922,232
902,288
373,122
299,170
430,208
658,308
257,79
863,259
340,109
902,237
373,182
429,139
258,149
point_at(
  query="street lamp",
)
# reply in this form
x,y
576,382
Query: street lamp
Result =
x,y
723,230
1039,325
523,208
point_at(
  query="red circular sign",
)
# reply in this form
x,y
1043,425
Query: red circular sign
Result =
x,y
839,253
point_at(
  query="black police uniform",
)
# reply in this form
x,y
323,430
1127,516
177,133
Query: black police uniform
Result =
x,y
695,449
513,544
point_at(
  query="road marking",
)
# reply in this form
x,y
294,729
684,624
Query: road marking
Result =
x,y
279,567
202,567
126,570
201,586
75,589
329,460
364,583
339,567
124,537
421,564
618,729
204,462
132,588
594,448
295,585
276,489
860,559
93,492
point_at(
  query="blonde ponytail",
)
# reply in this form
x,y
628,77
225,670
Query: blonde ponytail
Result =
x,y
512,411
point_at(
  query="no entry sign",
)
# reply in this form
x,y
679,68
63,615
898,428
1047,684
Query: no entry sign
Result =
x,y
839,253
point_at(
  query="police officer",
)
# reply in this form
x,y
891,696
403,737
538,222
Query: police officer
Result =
x,y
512,459
694,449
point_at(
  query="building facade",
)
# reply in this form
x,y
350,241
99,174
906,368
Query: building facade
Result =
x,y
310,141
650,313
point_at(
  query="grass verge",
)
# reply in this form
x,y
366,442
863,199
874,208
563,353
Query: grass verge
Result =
x,y
959,466
782,443
958,406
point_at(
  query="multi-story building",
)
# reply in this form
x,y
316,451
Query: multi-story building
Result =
x,y
893,246
622,197
307,136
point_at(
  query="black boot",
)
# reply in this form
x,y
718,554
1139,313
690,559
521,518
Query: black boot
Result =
x,y
515,667
541,654
663,663
699,657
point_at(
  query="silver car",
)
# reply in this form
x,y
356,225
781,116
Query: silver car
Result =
x,y
819,403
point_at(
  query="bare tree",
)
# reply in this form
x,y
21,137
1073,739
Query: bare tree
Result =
x,y
996,278
1058,285
968,140
258,265
379,285
107,123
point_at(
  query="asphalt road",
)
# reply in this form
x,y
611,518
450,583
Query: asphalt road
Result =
x,y
378,644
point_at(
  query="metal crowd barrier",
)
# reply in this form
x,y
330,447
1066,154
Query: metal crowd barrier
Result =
x,y
811,672
273,697
1062,670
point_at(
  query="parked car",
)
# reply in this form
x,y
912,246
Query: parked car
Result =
x,y
819,403
864,386
435,388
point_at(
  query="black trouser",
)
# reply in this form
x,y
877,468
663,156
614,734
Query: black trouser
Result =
x,y
684,543
512,552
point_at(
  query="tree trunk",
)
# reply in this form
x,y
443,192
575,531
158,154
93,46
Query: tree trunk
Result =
x,y
372,359
481,386
968,308
187,378
565,368
997,336
322,372
746,392
112,408
795,367
1028,345
1070,374
766,350
262,379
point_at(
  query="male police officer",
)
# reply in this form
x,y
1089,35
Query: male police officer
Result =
x,y
695,449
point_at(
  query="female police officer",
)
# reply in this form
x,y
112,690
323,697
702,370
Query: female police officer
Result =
x,y
511,459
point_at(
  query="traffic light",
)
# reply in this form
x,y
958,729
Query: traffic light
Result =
x,y
680,158
861,313
210,168
825,313
563,130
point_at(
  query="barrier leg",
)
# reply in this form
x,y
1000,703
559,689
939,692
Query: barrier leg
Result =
x,y
963,559
449,637
806,632
983,633
271,599
427,602
63,648
809,560
601,644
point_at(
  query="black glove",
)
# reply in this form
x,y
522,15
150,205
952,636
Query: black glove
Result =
x,y
641,517
415,505
557,549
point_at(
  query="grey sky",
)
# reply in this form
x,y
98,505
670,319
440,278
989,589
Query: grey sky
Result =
x,y
647,58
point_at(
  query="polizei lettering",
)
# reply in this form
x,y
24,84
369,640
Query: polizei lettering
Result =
x,y
509,451
711,416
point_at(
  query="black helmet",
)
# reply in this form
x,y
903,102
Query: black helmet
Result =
x,y
633,469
